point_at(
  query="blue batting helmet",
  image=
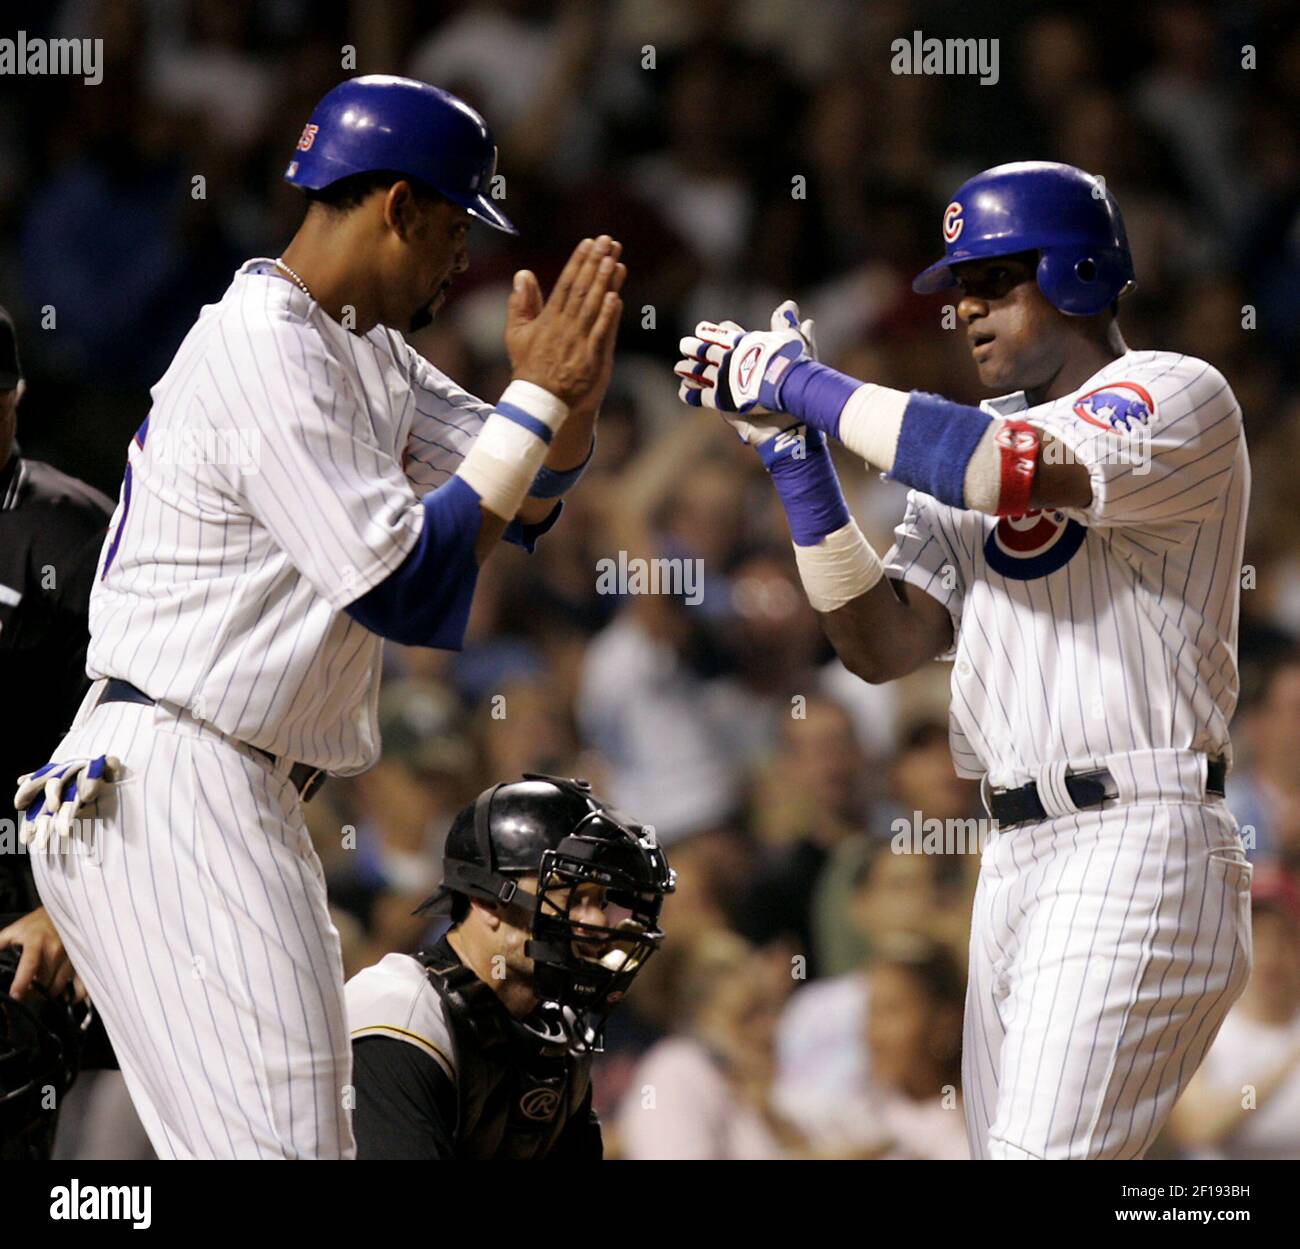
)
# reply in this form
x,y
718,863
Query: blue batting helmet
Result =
x,y
382,122
1064,214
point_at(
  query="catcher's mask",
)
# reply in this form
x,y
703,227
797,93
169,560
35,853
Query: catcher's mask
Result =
x,y
554,828
40,1050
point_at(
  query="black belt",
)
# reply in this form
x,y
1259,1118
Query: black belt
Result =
x,y
1086,789
302,776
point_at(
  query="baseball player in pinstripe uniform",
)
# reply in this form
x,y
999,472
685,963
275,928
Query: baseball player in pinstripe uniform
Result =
x,y
305,485
1074,547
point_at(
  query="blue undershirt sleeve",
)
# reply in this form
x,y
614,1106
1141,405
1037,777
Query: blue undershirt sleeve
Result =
x,y
425,601
525,535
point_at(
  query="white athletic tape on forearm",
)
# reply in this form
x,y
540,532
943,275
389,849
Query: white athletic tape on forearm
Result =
x,y
871,421
505,457
839,568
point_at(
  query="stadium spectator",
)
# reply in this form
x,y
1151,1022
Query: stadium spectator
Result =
x,y
405,805
1264,793
1244,1102
810,798
705,1092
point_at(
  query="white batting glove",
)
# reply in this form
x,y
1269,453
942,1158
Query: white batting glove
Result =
x,y
711,367
786,317
699,383
53,796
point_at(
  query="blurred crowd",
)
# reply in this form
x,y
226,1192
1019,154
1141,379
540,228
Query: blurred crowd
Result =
x,y
809,999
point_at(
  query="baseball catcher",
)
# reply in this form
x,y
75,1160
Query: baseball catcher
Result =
x,y
48,1032
481,1046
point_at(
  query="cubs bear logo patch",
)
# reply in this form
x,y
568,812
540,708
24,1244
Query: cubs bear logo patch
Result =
x,y
1034,545
1117,405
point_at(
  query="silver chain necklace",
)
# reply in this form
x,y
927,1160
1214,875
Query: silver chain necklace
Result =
x,y
302,286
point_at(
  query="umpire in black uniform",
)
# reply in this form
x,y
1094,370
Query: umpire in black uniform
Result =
x,y
51,530
481,1046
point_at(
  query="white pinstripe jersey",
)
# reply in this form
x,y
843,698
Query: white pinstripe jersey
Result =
x,y
1083,633
276,479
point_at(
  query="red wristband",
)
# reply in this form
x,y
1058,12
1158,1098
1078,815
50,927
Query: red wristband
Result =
x,y
1019,443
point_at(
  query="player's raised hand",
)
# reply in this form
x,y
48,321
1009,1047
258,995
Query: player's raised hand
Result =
x,y
565,344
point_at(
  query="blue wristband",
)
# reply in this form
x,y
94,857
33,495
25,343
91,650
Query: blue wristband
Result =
x,y
550,483
935,445
817,394
525,535
804,476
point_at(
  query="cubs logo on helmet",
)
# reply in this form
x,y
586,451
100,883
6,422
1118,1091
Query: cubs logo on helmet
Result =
x,y
952,222
1064,214
1034,545
1117,405
403,126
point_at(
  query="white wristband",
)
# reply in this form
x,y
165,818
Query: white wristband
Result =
x,y
838,569
537,402
871,422
509,450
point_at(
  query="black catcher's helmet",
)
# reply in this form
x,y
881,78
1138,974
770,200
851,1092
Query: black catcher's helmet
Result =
x,y
556,829
40,1053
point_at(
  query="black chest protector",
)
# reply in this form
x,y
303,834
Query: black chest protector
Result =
x,y
515,1092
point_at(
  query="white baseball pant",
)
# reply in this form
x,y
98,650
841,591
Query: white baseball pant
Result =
x,y
192,904
1106,948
